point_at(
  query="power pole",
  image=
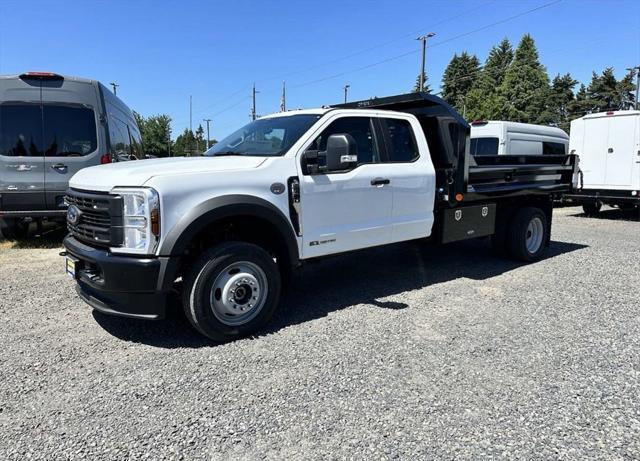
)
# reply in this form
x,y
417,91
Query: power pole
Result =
x,y
346,89
190,113
253,107
207,120
283,98
115,86
423,71
636,70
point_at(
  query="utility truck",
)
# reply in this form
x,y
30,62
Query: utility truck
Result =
x,y
236,223
608,144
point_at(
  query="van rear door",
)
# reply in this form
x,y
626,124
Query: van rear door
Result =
x,y
21,156
620,154
71,139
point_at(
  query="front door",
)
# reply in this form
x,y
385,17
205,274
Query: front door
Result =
x,y
347,210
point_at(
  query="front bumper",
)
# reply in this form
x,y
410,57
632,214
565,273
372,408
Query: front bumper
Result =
x,y
122,285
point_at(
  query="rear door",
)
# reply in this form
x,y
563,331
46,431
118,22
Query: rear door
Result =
x,y
21,155
620,154
593,156
71,137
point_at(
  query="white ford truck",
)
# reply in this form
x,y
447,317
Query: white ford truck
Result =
x,y
235,224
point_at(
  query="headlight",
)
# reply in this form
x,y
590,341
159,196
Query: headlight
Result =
x,y
140,220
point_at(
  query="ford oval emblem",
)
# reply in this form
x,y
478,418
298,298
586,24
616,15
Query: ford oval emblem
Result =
x,y
73,215
277,188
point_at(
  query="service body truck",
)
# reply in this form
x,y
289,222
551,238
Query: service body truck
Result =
x,y
496,137
608,144
235,224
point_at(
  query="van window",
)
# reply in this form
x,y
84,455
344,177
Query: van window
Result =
x,y
403,146
119,137
69,131
524,147
484,146
553,148
20,130
136,143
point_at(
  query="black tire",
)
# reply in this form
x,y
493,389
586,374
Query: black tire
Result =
x,y
202,300
591,209
524,244
13,229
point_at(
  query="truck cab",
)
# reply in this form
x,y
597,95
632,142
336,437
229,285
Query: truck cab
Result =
x,y
236,223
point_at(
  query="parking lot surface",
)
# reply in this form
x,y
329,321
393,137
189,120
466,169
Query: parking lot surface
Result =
x,y
409,352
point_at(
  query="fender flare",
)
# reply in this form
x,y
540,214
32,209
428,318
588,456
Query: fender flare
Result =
x,y
214,209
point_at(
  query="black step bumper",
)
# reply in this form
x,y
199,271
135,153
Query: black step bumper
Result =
x,y
122,285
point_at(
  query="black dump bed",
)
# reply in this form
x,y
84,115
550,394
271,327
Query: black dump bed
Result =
x,y
459,174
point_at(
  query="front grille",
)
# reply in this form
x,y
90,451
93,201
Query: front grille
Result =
x,y
100,221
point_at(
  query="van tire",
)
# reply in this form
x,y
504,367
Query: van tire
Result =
x,y
527,234
210,294
14,229
592,209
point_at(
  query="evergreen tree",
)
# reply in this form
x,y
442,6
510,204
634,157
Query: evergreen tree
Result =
x,y
603,91
482,100
525,87
185,144
580,105
458,79
425,87
626,90
561,99
201,145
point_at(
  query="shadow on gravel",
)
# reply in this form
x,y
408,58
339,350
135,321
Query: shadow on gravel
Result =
x,y
50,236
364,277
614,214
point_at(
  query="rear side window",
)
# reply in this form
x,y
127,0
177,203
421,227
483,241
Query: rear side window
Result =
x,y
553,148
20,130
362,131
119,137
403,146
484,146
69,131
51,129
136,143
525,147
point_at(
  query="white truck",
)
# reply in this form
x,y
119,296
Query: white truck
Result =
x,y
291,187
608,144
497,137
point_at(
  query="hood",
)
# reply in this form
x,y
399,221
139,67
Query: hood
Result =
x,y
138,172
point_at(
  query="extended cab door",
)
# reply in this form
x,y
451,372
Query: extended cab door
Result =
x,y
410,171
346,210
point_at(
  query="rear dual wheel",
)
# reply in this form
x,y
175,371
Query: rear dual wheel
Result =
x,y
523,236
231,291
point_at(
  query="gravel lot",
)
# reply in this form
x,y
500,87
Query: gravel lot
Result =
x,y
405,352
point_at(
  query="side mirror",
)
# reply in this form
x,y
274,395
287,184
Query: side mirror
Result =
x,y
342,152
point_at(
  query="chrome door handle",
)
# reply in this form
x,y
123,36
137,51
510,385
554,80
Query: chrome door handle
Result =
x,y
59,167
379,181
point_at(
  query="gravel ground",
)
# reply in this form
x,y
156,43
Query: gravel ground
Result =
x,y
410,352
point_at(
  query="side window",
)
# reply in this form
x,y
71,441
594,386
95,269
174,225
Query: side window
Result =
x,y
553,148
484,146
525,147
119,136
361,129
403,146
136,143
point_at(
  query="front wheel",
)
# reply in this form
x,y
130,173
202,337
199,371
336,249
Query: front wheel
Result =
x,y
528,234
231,291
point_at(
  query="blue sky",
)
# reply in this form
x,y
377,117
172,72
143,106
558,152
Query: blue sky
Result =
x,y
160,52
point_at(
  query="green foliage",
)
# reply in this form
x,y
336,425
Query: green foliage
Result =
x,y
525,87
156,134
561,100
185,144
458,79
425,87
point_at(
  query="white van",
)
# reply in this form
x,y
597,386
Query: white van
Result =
x,y
608,144
496,137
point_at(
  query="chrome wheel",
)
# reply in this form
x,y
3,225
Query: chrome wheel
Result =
x,y
535,235
238,293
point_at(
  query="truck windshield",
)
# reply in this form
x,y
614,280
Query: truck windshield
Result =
x,y
269,137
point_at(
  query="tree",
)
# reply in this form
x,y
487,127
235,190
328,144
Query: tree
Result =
x,y
458,79
185,144
525,87
425,85
561,98
201,144
482,100
156,134
626,89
